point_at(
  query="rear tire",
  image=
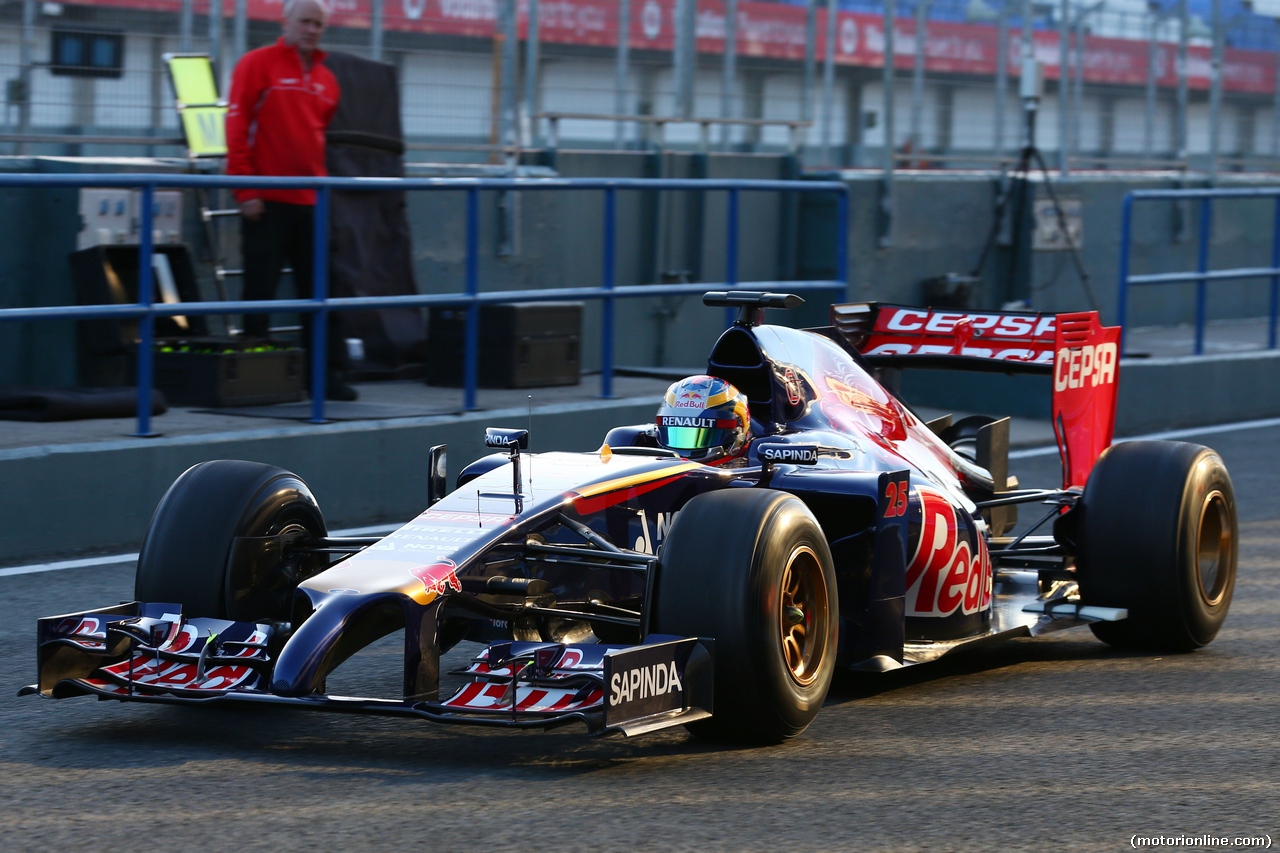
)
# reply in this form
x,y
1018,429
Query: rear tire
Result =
x,y
1159,537
751,569
187,550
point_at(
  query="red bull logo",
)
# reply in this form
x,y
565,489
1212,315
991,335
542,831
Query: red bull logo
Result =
x,y
88,632
951,568
690,400
439,577
88,626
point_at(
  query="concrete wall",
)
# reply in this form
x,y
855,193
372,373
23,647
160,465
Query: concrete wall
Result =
x,y
1168,393
375,471
1155,393
109,490
942,220
940,223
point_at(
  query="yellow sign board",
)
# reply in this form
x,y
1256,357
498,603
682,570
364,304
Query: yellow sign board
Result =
x,y
192,77
196,91
205,130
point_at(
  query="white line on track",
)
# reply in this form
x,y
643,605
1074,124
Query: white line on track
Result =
x,y
1026,453
116,559
1167,435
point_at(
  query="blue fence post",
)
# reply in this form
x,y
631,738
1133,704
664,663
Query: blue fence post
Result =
x,y
1275,279
471,366
610,280
842,240
146,323
1126,226
320,295
731,251
1202,265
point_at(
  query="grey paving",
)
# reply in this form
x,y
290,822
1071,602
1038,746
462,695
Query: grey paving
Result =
x,y
1041,745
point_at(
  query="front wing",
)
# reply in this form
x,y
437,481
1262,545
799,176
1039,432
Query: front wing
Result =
x,y
151,653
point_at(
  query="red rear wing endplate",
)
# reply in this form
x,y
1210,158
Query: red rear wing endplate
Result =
x,y
1085,384
1079,352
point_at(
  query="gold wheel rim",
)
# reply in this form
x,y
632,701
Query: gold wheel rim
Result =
x,y
1213,548
804,615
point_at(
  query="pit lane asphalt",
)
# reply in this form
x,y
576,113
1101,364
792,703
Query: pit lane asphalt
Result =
x,y
1035,744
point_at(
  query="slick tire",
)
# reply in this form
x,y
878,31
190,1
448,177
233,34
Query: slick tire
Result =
x,y
751,569
1159,537
187,553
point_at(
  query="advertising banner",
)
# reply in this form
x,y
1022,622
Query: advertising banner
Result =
x,y
777,31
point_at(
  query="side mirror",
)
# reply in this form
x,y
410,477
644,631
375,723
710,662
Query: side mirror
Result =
x,y
437,482
504,438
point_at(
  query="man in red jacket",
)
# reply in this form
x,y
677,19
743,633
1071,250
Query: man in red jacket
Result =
x,y
282,98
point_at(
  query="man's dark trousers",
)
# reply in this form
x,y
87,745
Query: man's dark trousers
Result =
x,y
285,232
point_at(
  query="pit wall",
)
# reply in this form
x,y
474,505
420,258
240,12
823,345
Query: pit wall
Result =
x,y
111,488
940,223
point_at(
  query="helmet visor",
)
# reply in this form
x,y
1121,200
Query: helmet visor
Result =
x,y
707,433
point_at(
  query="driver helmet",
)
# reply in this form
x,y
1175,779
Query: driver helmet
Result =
x,y
704,417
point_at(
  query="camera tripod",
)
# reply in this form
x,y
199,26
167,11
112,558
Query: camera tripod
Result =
x,y
1029,156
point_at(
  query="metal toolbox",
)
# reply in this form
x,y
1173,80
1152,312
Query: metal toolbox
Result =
x,y
214,373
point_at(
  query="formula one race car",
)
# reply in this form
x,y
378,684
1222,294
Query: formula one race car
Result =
x,y
784,515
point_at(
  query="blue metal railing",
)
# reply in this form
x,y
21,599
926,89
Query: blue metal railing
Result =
x,y
1202,275
471,296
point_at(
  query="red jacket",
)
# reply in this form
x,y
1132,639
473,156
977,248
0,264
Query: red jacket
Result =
x,y
276,118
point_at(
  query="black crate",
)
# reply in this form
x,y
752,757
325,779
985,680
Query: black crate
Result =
x,y
215,373
522,345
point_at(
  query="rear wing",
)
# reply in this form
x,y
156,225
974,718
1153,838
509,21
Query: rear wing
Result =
x,y
901,336
1081,355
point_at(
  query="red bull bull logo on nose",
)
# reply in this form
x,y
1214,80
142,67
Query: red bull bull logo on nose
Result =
x,y
439,577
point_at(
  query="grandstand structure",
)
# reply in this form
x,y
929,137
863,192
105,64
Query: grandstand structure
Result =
x,y
88,77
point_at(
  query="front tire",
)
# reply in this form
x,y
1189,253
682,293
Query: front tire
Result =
x,y
751,569
1159,538
186,555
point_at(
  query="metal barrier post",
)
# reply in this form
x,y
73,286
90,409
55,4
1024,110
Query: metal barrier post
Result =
x,y
531,72
471,364
26,62
606,332
731,252
842,240
1275,279
319,293
376,23
185,24
1126,224
1202,266
619,75
886,85
146,323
